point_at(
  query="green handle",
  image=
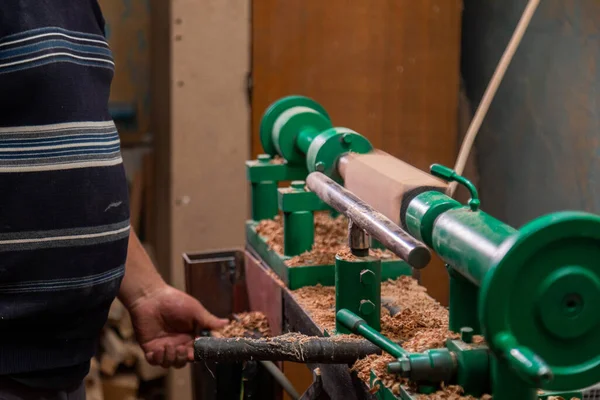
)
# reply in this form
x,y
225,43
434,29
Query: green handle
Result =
x,y
359,326
525,362
449,175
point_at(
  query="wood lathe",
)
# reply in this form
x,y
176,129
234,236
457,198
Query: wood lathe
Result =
x,y
335,254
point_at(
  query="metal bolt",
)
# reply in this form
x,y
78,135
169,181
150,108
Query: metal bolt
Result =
x,y
347,137
366,307
400,367
466,334
405,366
298,185
358,239
265,158
367,277
320,166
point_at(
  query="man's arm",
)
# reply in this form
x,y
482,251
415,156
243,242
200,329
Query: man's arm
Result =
x,y
164,318
141,277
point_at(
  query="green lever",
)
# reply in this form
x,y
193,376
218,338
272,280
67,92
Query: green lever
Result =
x,y
449,175
359,326
525,362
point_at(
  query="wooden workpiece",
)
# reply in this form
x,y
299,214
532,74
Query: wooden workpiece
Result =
x,y
386,183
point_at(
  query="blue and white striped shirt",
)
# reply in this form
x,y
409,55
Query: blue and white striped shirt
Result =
x,y
64,214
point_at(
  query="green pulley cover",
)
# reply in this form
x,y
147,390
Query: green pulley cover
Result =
x,y
542,294
283,121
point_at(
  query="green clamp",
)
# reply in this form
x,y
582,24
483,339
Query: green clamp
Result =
x,y
449,175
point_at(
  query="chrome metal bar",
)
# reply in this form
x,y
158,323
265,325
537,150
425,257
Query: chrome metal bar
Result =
x,y
373,222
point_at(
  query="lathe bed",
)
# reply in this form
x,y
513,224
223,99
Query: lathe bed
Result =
x,y
531,292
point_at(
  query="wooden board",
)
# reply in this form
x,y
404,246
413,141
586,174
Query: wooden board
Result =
x,y
388,69
200,61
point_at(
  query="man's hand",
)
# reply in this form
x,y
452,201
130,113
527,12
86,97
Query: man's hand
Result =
x,y
165,321
164,318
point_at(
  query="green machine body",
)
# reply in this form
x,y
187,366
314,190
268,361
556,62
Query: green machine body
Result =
x,y
532,292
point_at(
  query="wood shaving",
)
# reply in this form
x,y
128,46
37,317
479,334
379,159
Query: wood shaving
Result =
x,y
319,302
421,324
562,398
331,237
277,160
450,393
248,325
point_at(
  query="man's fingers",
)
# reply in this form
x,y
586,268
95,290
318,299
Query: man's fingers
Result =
x,y
174,351
156,357
207,320
170,355
181,358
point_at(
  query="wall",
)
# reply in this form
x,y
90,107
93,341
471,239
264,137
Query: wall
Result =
x,y
538,149
128,33
389,69
200,62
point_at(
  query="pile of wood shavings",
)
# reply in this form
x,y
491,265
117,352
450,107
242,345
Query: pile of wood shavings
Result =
x,y
247,325
421,324
451,393
561,398
277,160
331,237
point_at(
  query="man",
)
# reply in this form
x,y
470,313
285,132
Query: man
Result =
x,y
66,249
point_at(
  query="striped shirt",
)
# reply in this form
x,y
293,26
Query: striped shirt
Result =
x,y
64,219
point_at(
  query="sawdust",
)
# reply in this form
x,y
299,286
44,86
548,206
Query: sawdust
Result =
x,y
277,160
346,254
272,231
561,398
319,302
451,393
331,237
421,324
247,325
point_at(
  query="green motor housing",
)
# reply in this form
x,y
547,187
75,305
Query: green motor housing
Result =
x,y
299,130
539,286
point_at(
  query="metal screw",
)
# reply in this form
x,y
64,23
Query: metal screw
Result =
x,y
298,185
466,334
367,277
366,307
320,166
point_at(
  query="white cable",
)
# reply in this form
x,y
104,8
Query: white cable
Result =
x,y
490,92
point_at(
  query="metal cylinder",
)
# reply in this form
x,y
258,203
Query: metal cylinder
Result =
x,y
464,239
364,216
264,200
358,240
305,138
432,366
